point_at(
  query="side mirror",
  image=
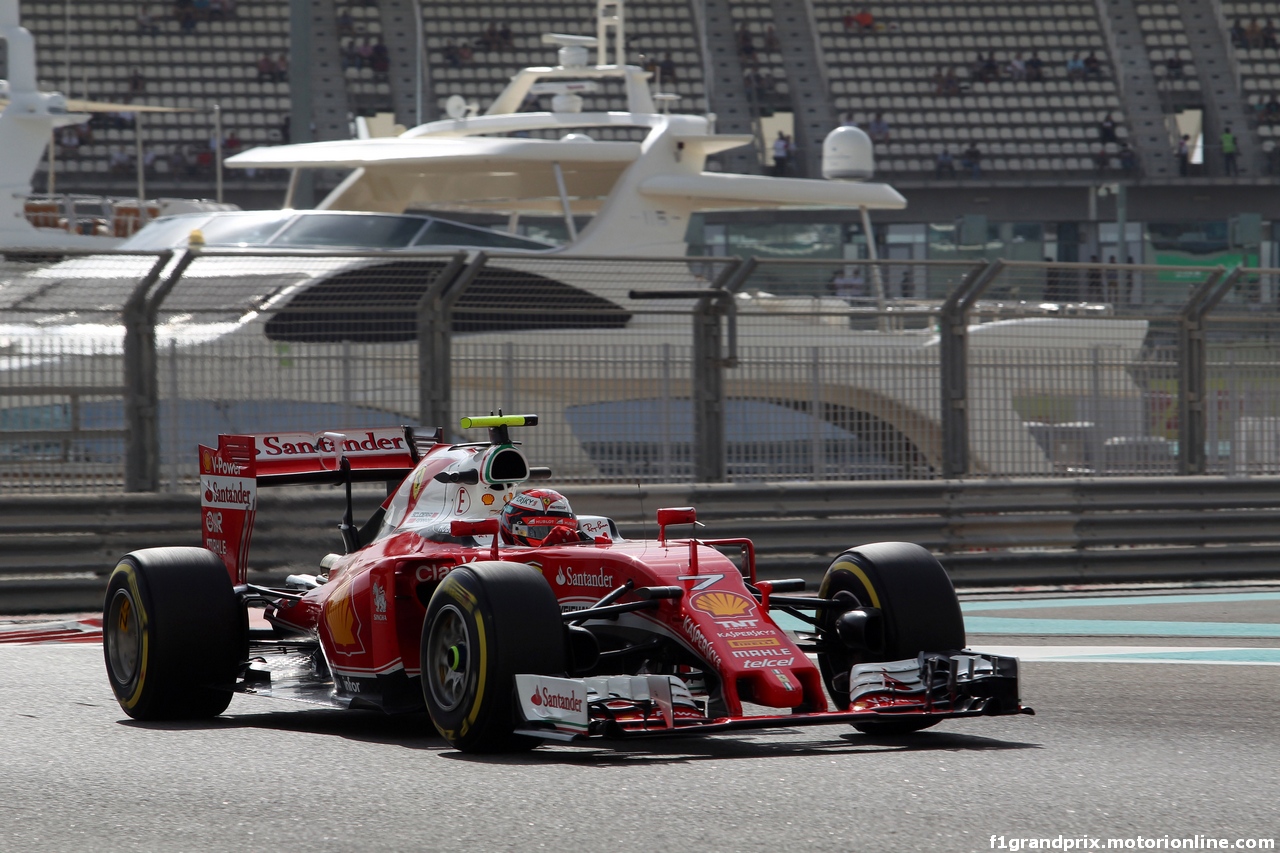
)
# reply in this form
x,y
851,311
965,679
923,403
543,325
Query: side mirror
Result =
x,y
485,527
674,515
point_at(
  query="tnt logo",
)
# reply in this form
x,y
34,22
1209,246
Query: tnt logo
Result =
x,y
213,522
738,623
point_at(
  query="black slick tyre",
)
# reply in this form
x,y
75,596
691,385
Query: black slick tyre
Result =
x,y
919,609
485,623
174,635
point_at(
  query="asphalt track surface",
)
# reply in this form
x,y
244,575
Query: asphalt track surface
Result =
x,y
1157,715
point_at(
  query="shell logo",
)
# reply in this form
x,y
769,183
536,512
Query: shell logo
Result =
x,y
206,462
722,605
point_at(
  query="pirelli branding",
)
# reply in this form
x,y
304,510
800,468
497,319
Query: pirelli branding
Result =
x,y
755,643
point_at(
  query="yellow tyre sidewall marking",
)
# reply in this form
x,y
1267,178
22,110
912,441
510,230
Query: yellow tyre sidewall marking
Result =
x,y
140,614
856,570
453,588
475,708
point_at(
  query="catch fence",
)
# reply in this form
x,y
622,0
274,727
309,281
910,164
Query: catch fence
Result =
x,y
114,367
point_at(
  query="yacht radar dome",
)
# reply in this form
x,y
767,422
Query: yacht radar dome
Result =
x,y
457,108
848,155
573,49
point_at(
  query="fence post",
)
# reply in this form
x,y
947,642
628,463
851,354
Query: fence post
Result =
x,y
435,337
141,378
1193,369
710,357
953,356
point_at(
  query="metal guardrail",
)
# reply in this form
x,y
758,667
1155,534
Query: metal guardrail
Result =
x,y
55,551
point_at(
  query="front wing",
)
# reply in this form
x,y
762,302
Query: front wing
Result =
x,y
934,685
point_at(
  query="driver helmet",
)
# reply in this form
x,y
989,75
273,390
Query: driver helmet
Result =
x,y
529,517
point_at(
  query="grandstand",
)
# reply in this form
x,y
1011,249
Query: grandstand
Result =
x,y
953,75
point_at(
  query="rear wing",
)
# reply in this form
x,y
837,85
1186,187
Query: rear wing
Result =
x,y
231,474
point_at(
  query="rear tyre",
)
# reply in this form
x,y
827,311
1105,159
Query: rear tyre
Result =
x,y
485,623
919,608
173,634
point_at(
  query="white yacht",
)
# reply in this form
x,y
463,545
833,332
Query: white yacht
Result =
x,y
638,194
28,120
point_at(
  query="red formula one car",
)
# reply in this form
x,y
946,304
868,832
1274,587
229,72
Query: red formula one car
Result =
x,y
557,628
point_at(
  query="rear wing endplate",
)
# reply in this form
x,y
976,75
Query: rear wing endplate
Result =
x,y
231,474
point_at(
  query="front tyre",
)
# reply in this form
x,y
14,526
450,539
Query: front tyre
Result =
x,y
487,622
173,634
918,605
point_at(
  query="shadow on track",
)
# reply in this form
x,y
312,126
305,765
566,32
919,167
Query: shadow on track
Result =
x,y
687,749
415,731
411,731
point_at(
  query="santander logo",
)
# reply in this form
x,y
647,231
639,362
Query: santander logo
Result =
x,y
545,697
597,579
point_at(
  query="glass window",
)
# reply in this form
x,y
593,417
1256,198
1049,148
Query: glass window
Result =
x,y
351,231
443,233
243,229
165,233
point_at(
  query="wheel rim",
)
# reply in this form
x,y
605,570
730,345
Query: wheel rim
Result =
x,y
448,663
123,637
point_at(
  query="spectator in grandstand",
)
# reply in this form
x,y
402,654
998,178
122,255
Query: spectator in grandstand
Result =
x,y
202,9
1271,110
146,24
939,82
451,56
1253,34
187,21
771,43
505,40
69,142
1269,36
990,69
781,154
231,145
1102,161
217,10
350,59
944,166
465,54
1229,151
865,20
381,60
119,161
1184,154
1237,35
1092,67
1127,158
878,129
346,25
1055,285
266,69
951,83
1035,68
1093,281
282,68
1107,129
848,20
971,159
149,161
137,83
1018,68
1075,68
668,68
204,161
746,44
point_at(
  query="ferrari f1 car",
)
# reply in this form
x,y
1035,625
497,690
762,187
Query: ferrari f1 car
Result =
x,y
509,644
